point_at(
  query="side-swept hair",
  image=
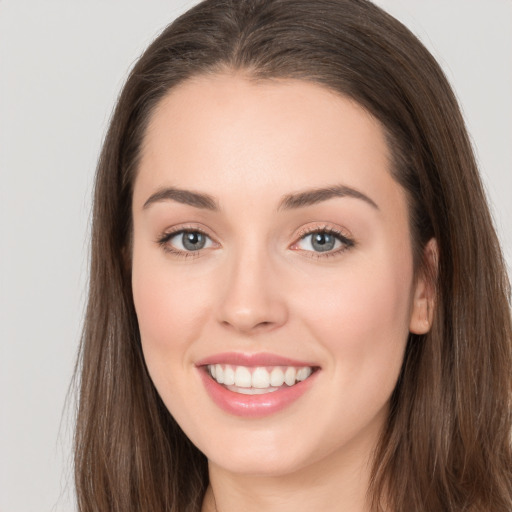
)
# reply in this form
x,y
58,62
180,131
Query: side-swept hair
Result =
x,y
447,442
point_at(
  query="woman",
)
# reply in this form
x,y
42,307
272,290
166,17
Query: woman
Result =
x,y
297,297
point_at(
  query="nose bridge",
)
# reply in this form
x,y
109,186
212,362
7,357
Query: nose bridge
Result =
x,y
252,298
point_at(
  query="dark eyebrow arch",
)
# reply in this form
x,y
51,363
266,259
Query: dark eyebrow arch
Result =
x,y
195,199
318,195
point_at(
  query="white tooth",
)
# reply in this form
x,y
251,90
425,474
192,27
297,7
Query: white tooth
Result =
x,y
219,374
277,377
260,378
289,376
211,369
254,391
242,377
303,373
229,376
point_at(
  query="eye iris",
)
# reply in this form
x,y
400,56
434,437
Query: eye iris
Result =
x,y
322,242
193,241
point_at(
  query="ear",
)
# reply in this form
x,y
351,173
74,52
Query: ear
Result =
x,y
422,311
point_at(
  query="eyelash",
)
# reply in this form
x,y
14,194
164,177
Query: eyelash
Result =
x,y
347,243
164,239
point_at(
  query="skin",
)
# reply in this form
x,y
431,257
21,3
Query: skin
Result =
x,y
259,285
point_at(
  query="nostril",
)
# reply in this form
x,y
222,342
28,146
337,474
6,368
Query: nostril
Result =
x,y
247,326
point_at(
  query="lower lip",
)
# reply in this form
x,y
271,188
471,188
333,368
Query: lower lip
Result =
x,y
254,406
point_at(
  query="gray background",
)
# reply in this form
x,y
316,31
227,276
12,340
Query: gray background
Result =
x,y
62,64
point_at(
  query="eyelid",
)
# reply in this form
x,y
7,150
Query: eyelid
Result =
x,y
323,227
170,232
341,234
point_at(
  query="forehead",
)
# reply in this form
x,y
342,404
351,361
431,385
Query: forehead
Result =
x,y
225,133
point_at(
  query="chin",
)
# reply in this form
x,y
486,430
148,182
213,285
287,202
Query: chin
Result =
x,y
262,464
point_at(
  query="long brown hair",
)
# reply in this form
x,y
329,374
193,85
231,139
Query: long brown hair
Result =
x,y
447,443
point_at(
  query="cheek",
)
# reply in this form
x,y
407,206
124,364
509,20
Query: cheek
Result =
x,y
171,313
170,307
362,318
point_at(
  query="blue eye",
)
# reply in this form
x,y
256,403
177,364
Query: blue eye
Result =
x,y
186,241
323,241
192,241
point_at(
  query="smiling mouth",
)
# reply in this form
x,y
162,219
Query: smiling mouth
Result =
x,y
258,380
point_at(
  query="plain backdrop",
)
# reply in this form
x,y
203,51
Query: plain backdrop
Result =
x,y
62,64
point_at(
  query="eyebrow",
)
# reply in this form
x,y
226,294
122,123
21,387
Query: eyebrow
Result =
x,y
195,199
288,202
318,195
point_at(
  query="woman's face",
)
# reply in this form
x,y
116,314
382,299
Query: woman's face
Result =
x,y
271,243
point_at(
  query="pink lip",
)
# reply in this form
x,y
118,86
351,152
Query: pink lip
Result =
x,y
259,359
253,406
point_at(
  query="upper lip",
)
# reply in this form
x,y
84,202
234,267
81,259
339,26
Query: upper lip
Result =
x,y
256,359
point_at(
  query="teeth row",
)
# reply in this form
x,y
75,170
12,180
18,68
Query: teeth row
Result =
x,y
259,377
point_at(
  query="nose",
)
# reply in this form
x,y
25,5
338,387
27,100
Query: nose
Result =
x,y
253,298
